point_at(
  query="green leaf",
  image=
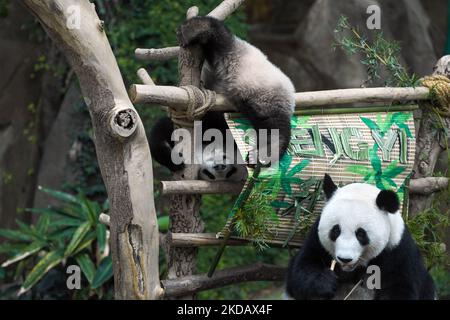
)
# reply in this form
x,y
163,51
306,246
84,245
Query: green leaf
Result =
x,y
375,159
66,222
78,236
25,252
280,204
88,209
298,167
65,197
370,123
393,172
43,223
15,235
103,274
49,261
403,126
358,169
86,265
101,236
52,211
163,223
86,243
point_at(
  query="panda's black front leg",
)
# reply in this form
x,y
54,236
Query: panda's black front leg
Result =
x,y
309,276
307,281
269,118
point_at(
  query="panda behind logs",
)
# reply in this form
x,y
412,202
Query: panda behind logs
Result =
x,y
244,75
360,226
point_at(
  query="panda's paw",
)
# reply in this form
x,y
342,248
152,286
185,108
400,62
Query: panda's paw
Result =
x,y
193,31
176,167
325,285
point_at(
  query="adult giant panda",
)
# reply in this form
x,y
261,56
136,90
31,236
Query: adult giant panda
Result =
x,y
241,72
360,226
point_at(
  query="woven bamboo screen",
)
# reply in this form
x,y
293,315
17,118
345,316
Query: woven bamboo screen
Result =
x,y
374,146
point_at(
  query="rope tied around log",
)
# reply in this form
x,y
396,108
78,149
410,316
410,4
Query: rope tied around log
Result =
x,y
440,86
200,102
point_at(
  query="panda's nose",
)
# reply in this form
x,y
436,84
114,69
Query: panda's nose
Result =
x,y
220,167
344,260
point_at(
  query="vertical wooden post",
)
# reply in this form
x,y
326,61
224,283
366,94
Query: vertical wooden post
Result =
x,y
120,142
428,145
184,209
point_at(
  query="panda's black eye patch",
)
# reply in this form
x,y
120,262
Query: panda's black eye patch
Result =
x,y
362,237
335,232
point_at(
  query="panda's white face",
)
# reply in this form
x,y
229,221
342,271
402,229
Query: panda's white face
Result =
x,y
354,230
217,167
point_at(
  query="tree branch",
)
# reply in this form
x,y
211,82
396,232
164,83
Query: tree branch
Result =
x,y
427,186
120,142
196,283
221,12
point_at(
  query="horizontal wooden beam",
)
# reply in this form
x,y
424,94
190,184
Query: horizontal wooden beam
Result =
x,y
200,187
210,239
178,98
195,283
200,240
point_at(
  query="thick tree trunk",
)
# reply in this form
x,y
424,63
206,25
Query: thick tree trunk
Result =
x,y
429,144
120,141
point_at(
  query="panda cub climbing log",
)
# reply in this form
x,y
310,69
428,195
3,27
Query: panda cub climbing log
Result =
x,y
359,226
241,72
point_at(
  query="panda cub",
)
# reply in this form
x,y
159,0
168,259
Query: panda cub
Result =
x,y
243,74
216,165
360,226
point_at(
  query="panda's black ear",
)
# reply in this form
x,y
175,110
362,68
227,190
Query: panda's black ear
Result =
x,y
328,186
388,201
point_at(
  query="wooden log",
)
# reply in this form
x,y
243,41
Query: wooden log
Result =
x,y
184,209
120,142
195,283
429,144
157,54
427,186
200,187
200,240
178,98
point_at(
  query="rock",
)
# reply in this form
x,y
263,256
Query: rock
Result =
x,y
60,149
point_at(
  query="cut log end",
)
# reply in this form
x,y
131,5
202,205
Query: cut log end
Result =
x,y
124,122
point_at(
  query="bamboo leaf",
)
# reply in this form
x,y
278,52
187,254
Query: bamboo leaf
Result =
x,y
103,274
87,241
63,196
403,126
370,123
86,265
375,159
49,261
101,236
393,172
24,253
298,167
15,235
280,204
163,223
358,169
78,236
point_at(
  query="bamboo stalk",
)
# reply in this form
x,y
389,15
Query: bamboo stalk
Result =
x,y
178,98
239,202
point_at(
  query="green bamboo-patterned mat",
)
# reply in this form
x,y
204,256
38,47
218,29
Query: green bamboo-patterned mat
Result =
x,y
376,147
